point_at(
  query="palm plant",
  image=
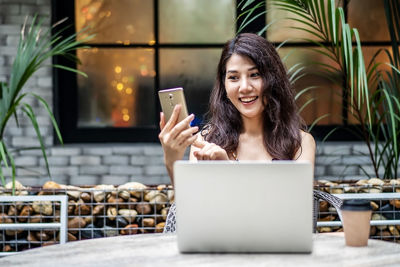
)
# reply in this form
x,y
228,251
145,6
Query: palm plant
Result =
x,y
368,98
34,48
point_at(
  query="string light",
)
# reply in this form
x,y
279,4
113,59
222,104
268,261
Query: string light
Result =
x,y
118,69
120,86
126,117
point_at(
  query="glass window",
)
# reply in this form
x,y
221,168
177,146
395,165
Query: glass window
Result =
x,y
119,89
192,69
371,22
121,21
205,21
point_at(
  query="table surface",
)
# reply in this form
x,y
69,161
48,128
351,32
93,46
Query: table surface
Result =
x,y
161,249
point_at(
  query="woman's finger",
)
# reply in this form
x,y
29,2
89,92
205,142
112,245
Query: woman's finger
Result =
x,y
162,121
174,118
186,134
181,126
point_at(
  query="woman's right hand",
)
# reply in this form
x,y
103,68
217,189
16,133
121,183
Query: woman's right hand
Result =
x,y
175,137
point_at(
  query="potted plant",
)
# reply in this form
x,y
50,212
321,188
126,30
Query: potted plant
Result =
x,y
35,47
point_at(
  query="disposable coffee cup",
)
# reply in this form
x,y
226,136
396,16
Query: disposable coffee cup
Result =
x,y
356,215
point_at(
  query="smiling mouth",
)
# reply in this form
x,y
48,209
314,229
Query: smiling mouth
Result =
x,y
247,100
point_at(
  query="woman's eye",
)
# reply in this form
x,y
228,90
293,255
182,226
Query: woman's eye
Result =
x,y
256,74
232,78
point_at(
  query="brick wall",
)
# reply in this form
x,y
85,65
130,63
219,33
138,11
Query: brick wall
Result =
x,y
86,164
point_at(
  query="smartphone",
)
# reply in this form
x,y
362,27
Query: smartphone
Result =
x,y
171,97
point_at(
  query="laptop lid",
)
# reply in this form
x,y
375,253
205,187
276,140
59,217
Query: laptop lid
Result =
x,y
254,206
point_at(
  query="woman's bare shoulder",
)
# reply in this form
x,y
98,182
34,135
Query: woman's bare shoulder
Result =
x,y
306,138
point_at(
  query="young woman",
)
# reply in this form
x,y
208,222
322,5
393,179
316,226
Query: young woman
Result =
x,y
252,116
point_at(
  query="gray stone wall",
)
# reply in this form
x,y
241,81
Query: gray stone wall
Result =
x,y
88,164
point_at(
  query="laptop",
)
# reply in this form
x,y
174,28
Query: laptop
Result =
x,y
244,206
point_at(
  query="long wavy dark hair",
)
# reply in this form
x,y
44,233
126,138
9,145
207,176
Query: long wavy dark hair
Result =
x,y
281,121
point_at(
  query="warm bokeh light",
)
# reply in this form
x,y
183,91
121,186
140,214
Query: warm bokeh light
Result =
x,y
125,111
152,42
118,69
120,86
126,117
128,91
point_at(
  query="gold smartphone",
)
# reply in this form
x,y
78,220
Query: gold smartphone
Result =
x,y
171,97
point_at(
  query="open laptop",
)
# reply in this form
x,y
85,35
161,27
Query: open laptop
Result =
x,y
244,206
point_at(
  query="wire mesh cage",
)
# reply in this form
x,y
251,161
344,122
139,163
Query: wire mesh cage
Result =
x,y
384,197
91,212
31,221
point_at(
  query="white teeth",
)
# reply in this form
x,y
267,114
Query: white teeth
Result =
x,y
248,99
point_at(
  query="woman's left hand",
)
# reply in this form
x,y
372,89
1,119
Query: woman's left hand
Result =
x,y
209,151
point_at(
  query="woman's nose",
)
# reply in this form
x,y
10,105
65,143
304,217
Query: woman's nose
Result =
x,y
245,84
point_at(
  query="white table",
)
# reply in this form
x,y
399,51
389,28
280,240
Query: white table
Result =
x,y
161,249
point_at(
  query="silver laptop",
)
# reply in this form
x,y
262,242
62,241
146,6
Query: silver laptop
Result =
x,y
254,206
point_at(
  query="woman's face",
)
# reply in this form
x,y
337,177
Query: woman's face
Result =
x,y
243,85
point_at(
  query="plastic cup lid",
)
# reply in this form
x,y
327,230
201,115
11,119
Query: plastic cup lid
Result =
x,y
356,204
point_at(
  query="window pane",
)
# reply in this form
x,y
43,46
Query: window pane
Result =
x,y
281,30
119,91
122,21
205,21
192,69
368,16
327,95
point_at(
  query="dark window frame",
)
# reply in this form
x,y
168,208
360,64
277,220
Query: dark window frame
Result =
x,y
65,95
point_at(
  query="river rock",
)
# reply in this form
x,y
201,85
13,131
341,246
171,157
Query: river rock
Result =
x,y
12,210
20,190
134,188
160,200
112,213
88,219
110,231
7,248
324,229
148,222
131,229
115,200
393,230
49,185
124,194
82,208
372,230
86,197
25,213
4,218
91,232
121,222
375,182
323,206
73,191
100,191
128,215
43,207
71,237
395,203
37,218
98,209
160,227
76,222
389,212
350,189
40,235
164,213
378,217
362,182
374,206
143,208
31,237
